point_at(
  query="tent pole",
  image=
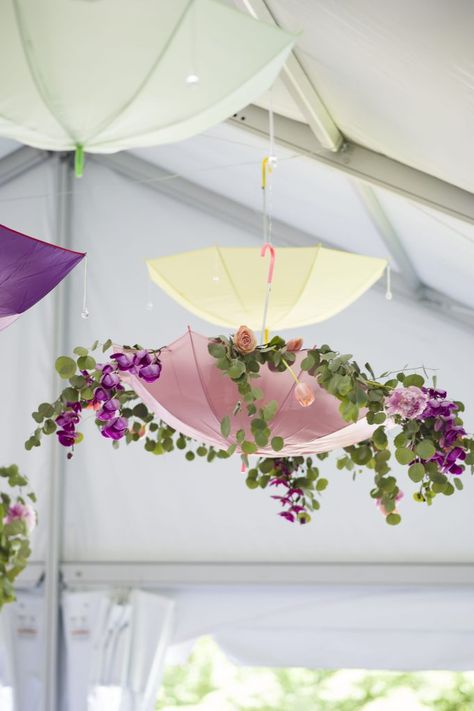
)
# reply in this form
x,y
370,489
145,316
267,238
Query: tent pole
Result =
x,y
52,601
20,161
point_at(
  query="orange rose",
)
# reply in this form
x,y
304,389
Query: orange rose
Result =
x,y
294,344
304,394
244,340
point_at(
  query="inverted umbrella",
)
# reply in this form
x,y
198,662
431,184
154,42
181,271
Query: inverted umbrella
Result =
x,y
115,74
227,286
193,396
29,269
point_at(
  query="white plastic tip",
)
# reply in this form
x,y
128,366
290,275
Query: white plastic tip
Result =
x,y
389,296
85,313
192,79
215,278
149,306
273,160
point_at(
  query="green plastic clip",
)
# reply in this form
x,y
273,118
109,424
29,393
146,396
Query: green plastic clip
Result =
x,y
79,161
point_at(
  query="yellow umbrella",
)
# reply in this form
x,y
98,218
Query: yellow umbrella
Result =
x,y
227,286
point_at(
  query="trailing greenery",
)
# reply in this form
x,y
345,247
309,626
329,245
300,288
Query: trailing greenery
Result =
x,y
17,519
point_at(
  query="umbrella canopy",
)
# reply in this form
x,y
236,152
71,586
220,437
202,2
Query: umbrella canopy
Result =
x,y
116,74
228,286
29,269
193,395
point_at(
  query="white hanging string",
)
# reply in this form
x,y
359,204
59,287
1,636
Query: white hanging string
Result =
x,y
388,291
85,310
149,301
267,167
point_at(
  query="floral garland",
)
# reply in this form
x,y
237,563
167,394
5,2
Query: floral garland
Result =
x,y
432,441
17,521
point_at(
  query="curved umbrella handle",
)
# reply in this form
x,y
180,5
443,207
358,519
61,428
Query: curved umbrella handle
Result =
x,y
263,251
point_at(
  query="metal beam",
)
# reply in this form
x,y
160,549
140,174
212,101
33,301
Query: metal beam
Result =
x,y
362,163
19,161
390,238
299,86
50,698
158,575
244,218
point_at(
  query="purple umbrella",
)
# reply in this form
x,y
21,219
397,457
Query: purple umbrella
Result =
x,y
29,269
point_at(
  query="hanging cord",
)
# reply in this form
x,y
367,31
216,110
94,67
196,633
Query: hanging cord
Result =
x,y
85,310
267,246
149,301
388,291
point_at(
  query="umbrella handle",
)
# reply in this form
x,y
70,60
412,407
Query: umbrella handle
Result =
x,y
263,251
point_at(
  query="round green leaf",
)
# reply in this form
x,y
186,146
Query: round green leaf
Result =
x,y
65,366
86,363
277,443
393,519
425,449
403,455
416,472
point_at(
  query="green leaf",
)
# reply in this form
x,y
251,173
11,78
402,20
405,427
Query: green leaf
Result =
x,y
425,449
248,447
65,366
393,519
416,472
277,443
70,395
190,456
230,450
140,411
86,363
458,483
261,437
403,455
308,362
269,410
46,409
240,436
251,483
321,484
80,351
106,346
225,426
217,350
236,369
49,427
414,379
400,440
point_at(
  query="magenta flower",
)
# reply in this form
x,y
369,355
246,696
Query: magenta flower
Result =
x,y
150,373
21,512
408,402
116,429
109,380
124,361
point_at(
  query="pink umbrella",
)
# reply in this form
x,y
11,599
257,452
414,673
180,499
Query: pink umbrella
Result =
x,y
193,395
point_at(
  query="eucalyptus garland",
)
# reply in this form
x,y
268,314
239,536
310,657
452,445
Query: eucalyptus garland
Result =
x,y
17,521
431,440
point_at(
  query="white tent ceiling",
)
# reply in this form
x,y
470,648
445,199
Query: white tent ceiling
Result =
x,y
397,80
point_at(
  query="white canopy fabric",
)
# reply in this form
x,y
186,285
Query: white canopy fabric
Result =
x,y
397,80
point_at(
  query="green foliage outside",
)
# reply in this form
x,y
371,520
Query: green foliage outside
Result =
x,y
210,682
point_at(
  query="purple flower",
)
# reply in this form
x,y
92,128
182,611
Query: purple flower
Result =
x,y
21,512
116,429
109,409
109,380
288,515
150,373
124,361
100,395
408,402
65,438
142,358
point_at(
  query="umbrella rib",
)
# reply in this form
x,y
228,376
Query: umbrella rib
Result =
x,y
204,389
35,73
231,282
110,120
303,288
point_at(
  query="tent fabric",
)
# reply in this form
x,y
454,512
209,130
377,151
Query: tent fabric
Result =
x,y
397,77
136,66
115,641
29,269
227,286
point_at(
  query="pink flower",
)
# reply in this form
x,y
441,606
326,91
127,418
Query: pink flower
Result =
x,y
304,394
21,512
244,340
294,344
406,402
